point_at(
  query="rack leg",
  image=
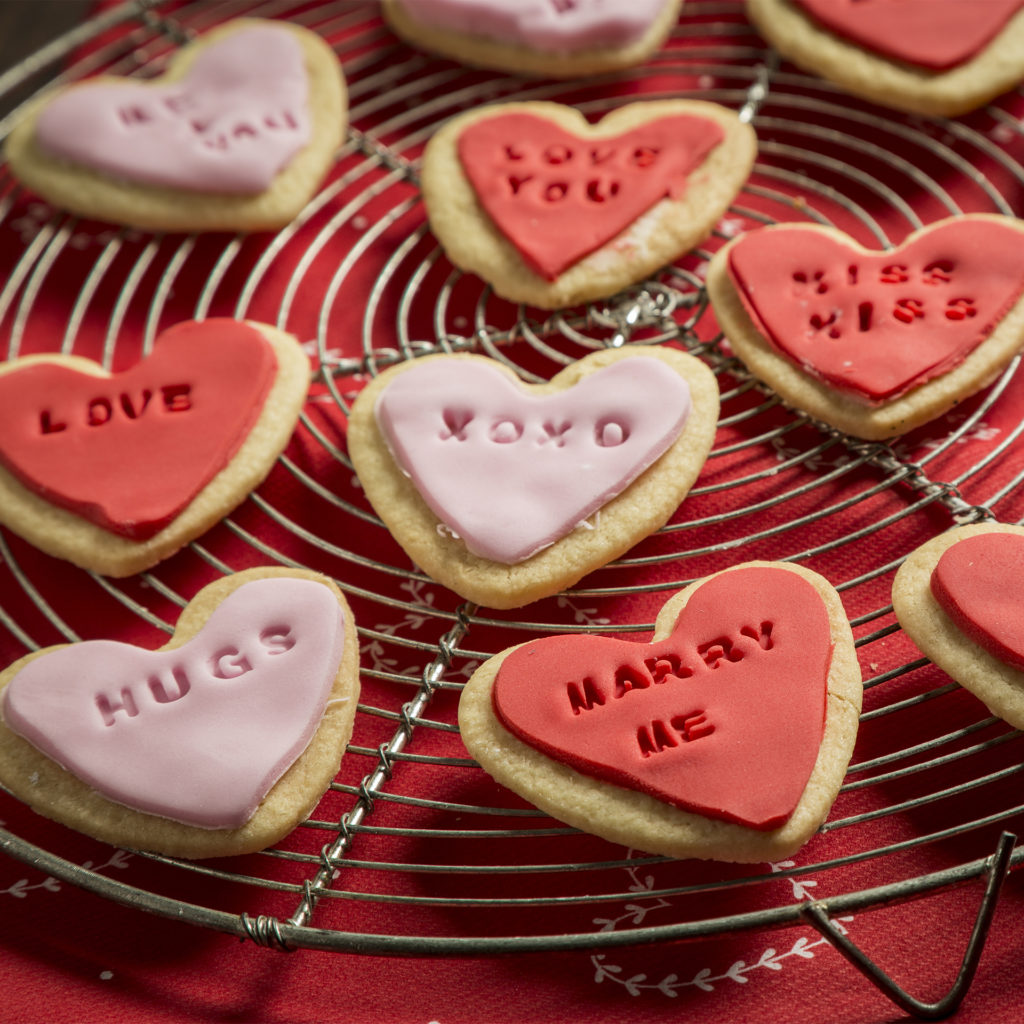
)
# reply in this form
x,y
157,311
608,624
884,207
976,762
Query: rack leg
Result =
x,y
817,915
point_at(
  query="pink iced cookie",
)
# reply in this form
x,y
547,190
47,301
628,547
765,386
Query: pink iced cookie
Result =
x,y
237,134
543,37
507,492
218,743
237,116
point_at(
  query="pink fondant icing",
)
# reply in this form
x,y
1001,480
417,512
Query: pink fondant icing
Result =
x,y
510,472
198,734
554,26
230,125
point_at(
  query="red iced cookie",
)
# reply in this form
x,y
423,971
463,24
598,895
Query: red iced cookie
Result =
x,y
932,57
874,342
552,210
933,34
116,471
978,584
959,597
557,197
736,716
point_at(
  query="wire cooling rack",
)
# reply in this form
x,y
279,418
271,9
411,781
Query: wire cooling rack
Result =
x,y
414,850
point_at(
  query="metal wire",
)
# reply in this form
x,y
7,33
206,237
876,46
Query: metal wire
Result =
x,y
411,826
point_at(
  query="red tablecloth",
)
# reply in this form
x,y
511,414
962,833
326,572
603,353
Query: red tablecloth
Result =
x,y
362,271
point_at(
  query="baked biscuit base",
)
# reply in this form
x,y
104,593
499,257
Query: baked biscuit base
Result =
x,y
483,52
55,793
65,535
644,506
998,686
93,194
920,405
638,820
796,35
669,229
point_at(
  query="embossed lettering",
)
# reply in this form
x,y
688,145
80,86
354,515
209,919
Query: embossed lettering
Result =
x,y
693,726
629,678
815,281
177,397
762,635
132,411
667,666
555,432
832,323
516,182
939,272
960,309
455,423
47,426
277,640
108,708
557,154
645,156
506,432
610,433
134,115
584,695
99,412
654,738
229,664
864,313
175,682
163,695
716,652
908,310
659,735
895,273
600,191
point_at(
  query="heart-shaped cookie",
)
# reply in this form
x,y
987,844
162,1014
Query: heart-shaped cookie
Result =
x,y
932,34
218,743
874,343
726,737
237,134
558,40
958,597
557,198
489,484
553,211
116,471
938,57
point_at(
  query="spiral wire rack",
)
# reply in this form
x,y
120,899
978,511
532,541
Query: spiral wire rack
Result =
x,y
414,851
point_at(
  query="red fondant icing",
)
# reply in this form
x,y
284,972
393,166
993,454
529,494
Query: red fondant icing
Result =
x,y
932,34
724,718
129,451
876,324
978,583
557,197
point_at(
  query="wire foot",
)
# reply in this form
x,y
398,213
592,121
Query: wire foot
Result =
x,y
817,915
